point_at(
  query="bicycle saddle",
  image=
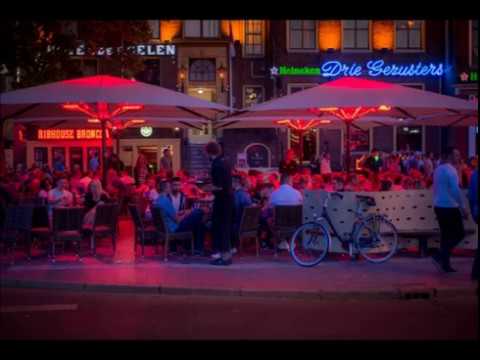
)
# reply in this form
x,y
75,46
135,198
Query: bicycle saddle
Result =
x,y
370,201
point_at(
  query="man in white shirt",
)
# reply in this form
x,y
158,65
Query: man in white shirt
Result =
x,y
126,179
60,196
449,208
285,195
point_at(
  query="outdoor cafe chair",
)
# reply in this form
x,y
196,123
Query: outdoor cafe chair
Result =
x,y
105,224
249,226
163,233
142,231
67,226
40,223
286,219
15,226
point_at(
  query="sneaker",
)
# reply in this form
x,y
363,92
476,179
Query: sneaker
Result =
x,y
283,245
449,269
216,256
233,251
221,262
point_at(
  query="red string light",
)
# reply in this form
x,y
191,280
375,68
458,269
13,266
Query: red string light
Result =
x,y
351,113
303,125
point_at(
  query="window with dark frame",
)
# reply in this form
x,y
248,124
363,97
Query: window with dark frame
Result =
x,y
154,28
254,45
408,34
356,34
302,34
202,70
474,43
201,28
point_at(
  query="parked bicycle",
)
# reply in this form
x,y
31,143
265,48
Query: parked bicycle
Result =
x,y
373,236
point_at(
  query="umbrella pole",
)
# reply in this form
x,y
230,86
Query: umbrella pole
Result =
x,y
347,150
104,148
300,134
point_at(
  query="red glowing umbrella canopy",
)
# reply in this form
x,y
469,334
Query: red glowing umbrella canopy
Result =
x,y
355,100
360,95
106,96
107,100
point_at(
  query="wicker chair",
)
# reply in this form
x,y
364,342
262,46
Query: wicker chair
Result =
x,y
105,224
249,226
142,231
67,226
163,233
286,219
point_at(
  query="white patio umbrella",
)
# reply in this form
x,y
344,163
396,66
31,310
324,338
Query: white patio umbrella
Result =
x,y
359,101
107,100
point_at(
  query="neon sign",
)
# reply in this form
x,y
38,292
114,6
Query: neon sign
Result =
x,y
376,68
472,76
372,68
299,71
69,134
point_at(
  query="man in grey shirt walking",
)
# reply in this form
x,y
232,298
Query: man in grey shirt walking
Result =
x,y
449,208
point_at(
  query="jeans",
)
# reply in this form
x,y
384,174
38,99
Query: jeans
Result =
x,y
451,231
194,222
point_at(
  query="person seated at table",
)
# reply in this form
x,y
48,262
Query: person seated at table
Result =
x,y
180,221
59,196
75,179
126,178
274,179
289,165
86,179
397,184
241,199
176,196
327,182
94,196
338,184
285,195
45,187
374,162
151,194
352,184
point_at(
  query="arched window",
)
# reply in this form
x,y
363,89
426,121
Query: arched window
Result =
x,y
202,70
258,155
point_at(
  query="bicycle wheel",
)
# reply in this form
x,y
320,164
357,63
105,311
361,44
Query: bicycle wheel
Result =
x,y
309,244
376,239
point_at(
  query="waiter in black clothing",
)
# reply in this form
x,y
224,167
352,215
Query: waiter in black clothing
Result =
x,y
222,205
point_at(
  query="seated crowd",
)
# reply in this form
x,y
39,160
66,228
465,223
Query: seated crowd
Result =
x,y
185,204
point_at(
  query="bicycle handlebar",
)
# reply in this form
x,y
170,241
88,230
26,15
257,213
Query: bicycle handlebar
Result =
x,y
337,194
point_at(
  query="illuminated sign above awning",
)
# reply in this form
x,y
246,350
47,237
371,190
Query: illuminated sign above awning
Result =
x,y
70,134
141,50
372,68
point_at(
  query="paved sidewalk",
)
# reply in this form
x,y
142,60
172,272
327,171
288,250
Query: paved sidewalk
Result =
x,y
265,276
249,276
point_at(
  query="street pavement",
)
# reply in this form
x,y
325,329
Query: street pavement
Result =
x,y
59,314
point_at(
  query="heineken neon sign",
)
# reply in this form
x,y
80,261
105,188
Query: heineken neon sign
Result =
x,y
372,68
472,76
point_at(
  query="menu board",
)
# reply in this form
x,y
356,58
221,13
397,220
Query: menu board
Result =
x,y
258,156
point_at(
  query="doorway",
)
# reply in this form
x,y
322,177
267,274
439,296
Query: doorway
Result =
x,y
204,135
150,153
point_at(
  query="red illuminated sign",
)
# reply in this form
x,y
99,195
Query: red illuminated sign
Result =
x,y
70,134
